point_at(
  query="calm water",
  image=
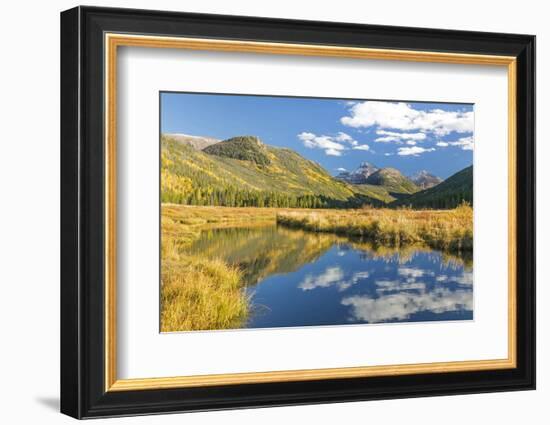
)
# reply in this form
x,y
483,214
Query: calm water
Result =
x,y
296,278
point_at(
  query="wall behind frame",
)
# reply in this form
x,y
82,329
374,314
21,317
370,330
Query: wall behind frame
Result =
x,y
29,219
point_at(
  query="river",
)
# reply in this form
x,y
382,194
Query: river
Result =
x,y
296,278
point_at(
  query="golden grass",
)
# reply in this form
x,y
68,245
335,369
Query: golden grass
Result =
x,y
199,293
440,229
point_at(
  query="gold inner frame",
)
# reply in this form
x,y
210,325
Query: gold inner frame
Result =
x,y
113,41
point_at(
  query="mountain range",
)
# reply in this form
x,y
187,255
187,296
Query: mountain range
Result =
x,y
447,194
368,173
360,175
425,180
243,171
197,142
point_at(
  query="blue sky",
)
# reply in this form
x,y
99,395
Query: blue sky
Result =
x,y
338,134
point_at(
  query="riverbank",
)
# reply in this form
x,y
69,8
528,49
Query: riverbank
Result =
x,y
205,292
450,230
199,293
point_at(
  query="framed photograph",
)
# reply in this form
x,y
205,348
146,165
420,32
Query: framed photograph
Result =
x,y
261,212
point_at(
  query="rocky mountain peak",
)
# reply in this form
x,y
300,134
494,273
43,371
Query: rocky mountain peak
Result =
x,y
425,180
360,175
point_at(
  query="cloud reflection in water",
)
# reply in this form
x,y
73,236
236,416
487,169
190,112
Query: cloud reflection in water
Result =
x,y
398,300
332,276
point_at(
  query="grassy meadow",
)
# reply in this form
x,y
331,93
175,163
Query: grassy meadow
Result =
x,y
450,230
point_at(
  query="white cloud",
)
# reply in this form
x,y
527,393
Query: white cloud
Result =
x,y
392,136
402,116
465,143
442,144
343,137
304,135
361,147
332,145
413,150
341,169
333,152
327,143
410,142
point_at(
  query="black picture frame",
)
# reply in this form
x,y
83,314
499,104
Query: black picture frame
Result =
x,y
83,392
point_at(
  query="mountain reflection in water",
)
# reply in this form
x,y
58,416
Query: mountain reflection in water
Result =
x,y
296,278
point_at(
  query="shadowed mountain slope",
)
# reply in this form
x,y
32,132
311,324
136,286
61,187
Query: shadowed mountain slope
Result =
x,y
448,194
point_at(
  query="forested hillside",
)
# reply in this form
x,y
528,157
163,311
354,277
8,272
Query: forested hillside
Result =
x,y
448,194
393,181
244,172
